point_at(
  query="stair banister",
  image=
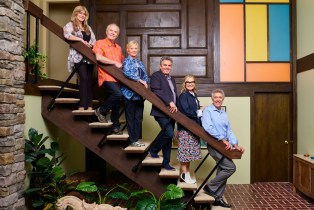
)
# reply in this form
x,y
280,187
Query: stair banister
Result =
x,y
138,88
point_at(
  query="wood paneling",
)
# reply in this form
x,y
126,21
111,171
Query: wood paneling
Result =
x,y
166,27
167,41
105,18
197,24
182,65
167,1
153,19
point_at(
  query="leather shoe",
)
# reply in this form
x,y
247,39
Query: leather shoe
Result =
x,y
221,202
209,192
153,155
169,168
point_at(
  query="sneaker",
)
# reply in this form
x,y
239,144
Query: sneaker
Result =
x,y
140,143
135,144
101,118
186,178
117,131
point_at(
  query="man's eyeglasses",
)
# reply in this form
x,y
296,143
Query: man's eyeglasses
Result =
x,y
189,82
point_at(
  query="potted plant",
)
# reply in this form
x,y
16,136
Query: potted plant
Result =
x,y
37,60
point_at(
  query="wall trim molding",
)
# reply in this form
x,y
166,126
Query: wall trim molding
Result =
x,y
306,63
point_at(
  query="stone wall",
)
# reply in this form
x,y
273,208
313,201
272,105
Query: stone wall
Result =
x,y
12,116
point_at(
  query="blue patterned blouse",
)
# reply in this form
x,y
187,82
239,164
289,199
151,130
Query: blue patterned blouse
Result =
x,y
133,69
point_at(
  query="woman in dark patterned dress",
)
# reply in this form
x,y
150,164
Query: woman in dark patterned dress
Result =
x,y
189,148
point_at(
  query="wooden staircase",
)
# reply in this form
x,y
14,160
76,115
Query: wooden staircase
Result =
x,y
113,153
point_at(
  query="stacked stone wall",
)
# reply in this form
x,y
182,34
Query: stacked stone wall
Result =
x,y
12,115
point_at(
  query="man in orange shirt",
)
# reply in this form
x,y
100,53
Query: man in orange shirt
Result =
x,y
107,51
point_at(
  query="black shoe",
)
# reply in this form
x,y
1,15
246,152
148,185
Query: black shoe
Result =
x,y
117,131
169,168
153,155
221,202
209,192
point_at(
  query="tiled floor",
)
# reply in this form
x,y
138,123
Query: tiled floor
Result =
x,y
266,196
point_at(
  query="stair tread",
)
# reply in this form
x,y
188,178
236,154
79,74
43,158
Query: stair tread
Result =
x,y
130,149
83,112
149,161
186,186
71,100
56,88
100,125
122,137
202,197
169,174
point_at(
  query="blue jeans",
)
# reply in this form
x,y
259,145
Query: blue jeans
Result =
x,y
164,142
112,102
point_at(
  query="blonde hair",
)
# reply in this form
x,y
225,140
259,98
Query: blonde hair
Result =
x,y
183,88
132,43
75,21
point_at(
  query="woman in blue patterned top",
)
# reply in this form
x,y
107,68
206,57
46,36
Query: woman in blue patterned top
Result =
x,y
134,69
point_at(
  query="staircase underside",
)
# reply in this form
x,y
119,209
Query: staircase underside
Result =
x,y
114,154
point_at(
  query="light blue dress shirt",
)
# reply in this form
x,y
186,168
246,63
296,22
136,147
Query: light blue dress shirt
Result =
x,y
216,123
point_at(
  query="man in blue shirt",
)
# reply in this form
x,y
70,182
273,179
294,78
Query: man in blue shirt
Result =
x,y
215,122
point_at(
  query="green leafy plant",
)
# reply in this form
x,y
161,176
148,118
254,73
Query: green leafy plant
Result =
x,y
113,193
47,178
37,60
169,200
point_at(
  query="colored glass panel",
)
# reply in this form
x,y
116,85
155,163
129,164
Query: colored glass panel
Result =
x,y
268,1
279,33
256,32
231,43
268,72
231,1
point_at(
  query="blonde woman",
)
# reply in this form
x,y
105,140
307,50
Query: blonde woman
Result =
x,y
79,30
135,70
189,148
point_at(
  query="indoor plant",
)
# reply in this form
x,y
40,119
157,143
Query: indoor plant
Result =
x,y
37,60
47,178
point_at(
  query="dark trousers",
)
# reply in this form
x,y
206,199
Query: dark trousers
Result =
x,y
85,72
113,102
225,169
164,142
134,117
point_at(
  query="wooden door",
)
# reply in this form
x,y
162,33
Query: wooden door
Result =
x,y
271,141
182,29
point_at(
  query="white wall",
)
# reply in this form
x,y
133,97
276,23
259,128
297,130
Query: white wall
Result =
x,y
305,87
73,150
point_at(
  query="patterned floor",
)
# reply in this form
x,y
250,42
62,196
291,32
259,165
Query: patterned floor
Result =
x,y
266,196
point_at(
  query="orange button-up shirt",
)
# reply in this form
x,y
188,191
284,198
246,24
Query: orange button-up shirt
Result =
x,y
109,50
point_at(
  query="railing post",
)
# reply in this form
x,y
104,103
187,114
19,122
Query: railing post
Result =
x,y
53,100
205,181
27,45
36,44
139,163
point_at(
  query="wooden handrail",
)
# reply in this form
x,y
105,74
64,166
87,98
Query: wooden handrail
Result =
x,y
135,86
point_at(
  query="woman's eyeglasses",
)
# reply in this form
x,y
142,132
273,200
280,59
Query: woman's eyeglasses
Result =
x,y
189,82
